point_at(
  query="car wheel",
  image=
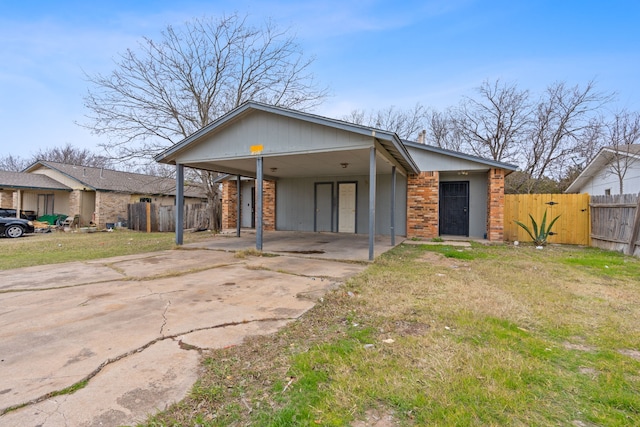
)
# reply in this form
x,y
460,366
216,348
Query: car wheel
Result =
x,y
13,231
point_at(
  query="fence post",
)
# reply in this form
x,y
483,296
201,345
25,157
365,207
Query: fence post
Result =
x,y
635,231
148,217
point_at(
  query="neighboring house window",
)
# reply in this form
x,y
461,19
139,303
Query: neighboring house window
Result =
x,y
145,199
607,192
45,204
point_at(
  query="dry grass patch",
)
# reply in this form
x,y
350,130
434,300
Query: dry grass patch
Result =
x,y
435,336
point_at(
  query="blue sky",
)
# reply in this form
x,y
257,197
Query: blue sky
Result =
x,y
371,54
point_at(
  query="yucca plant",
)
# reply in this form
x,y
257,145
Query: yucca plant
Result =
x,y
539,236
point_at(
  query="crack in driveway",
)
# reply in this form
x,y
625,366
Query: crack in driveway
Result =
x,y
122,356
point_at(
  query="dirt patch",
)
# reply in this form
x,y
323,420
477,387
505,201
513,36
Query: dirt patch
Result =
x,y
376,418
404,328
631,353
578,347
588,371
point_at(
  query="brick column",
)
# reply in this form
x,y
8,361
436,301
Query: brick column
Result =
x,y
6,199
269,205
74,204
229,204
422,205
495,205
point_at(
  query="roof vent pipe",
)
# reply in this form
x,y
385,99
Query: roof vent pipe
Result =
x,y
84,171
422,136
101,170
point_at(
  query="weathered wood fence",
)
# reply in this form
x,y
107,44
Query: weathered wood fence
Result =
x,y
615,223
573,226
152,217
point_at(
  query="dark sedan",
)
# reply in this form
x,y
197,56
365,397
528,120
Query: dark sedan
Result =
x,y
15,227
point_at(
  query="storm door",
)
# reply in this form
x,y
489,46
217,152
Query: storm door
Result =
x,y
323,204
347,207
454,208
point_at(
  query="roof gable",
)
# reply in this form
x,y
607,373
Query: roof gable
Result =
x,y
23,180
231,124
599,162
429,157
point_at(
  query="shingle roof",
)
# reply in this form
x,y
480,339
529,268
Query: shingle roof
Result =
x,y
102,179
19,180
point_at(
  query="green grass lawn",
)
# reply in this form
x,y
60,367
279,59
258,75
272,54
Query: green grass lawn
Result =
x,y
443,336
57,247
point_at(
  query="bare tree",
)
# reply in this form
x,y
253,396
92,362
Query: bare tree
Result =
x,y
442,131
493,126
622,135
562,116
591,141
166,90
13,163
67,154
73,156
406,123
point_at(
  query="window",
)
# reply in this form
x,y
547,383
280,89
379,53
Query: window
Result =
x,y
607,192
45,204
145,199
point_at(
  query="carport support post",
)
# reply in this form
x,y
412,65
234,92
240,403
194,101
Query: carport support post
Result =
x,y
179,203
238,206
19,206
372,200
259,203
393,206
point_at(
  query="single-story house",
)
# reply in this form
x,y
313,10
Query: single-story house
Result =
x,y
600,176
313,173
97,195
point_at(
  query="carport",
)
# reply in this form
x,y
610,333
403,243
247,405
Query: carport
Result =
x,y
305,155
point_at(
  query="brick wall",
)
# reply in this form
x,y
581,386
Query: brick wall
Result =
x,y
229,201
6,199
269,205
74,203
495,205
110,206
422,205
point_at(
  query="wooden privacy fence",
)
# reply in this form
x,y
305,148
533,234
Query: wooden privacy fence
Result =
x,y
151,217
573,226
615,223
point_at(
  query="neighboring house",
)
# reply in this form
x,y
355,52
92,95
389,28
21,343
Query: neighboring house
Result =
x,y
97,195
321,174
603,174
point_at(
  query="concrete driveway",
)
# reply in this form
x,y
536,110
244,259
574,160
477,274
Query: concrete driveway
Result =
x,y
134,328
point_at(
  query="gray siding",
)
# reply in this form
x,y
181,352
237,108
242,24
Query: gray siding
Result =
x,y
295,203
428,161
277,134
477,200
